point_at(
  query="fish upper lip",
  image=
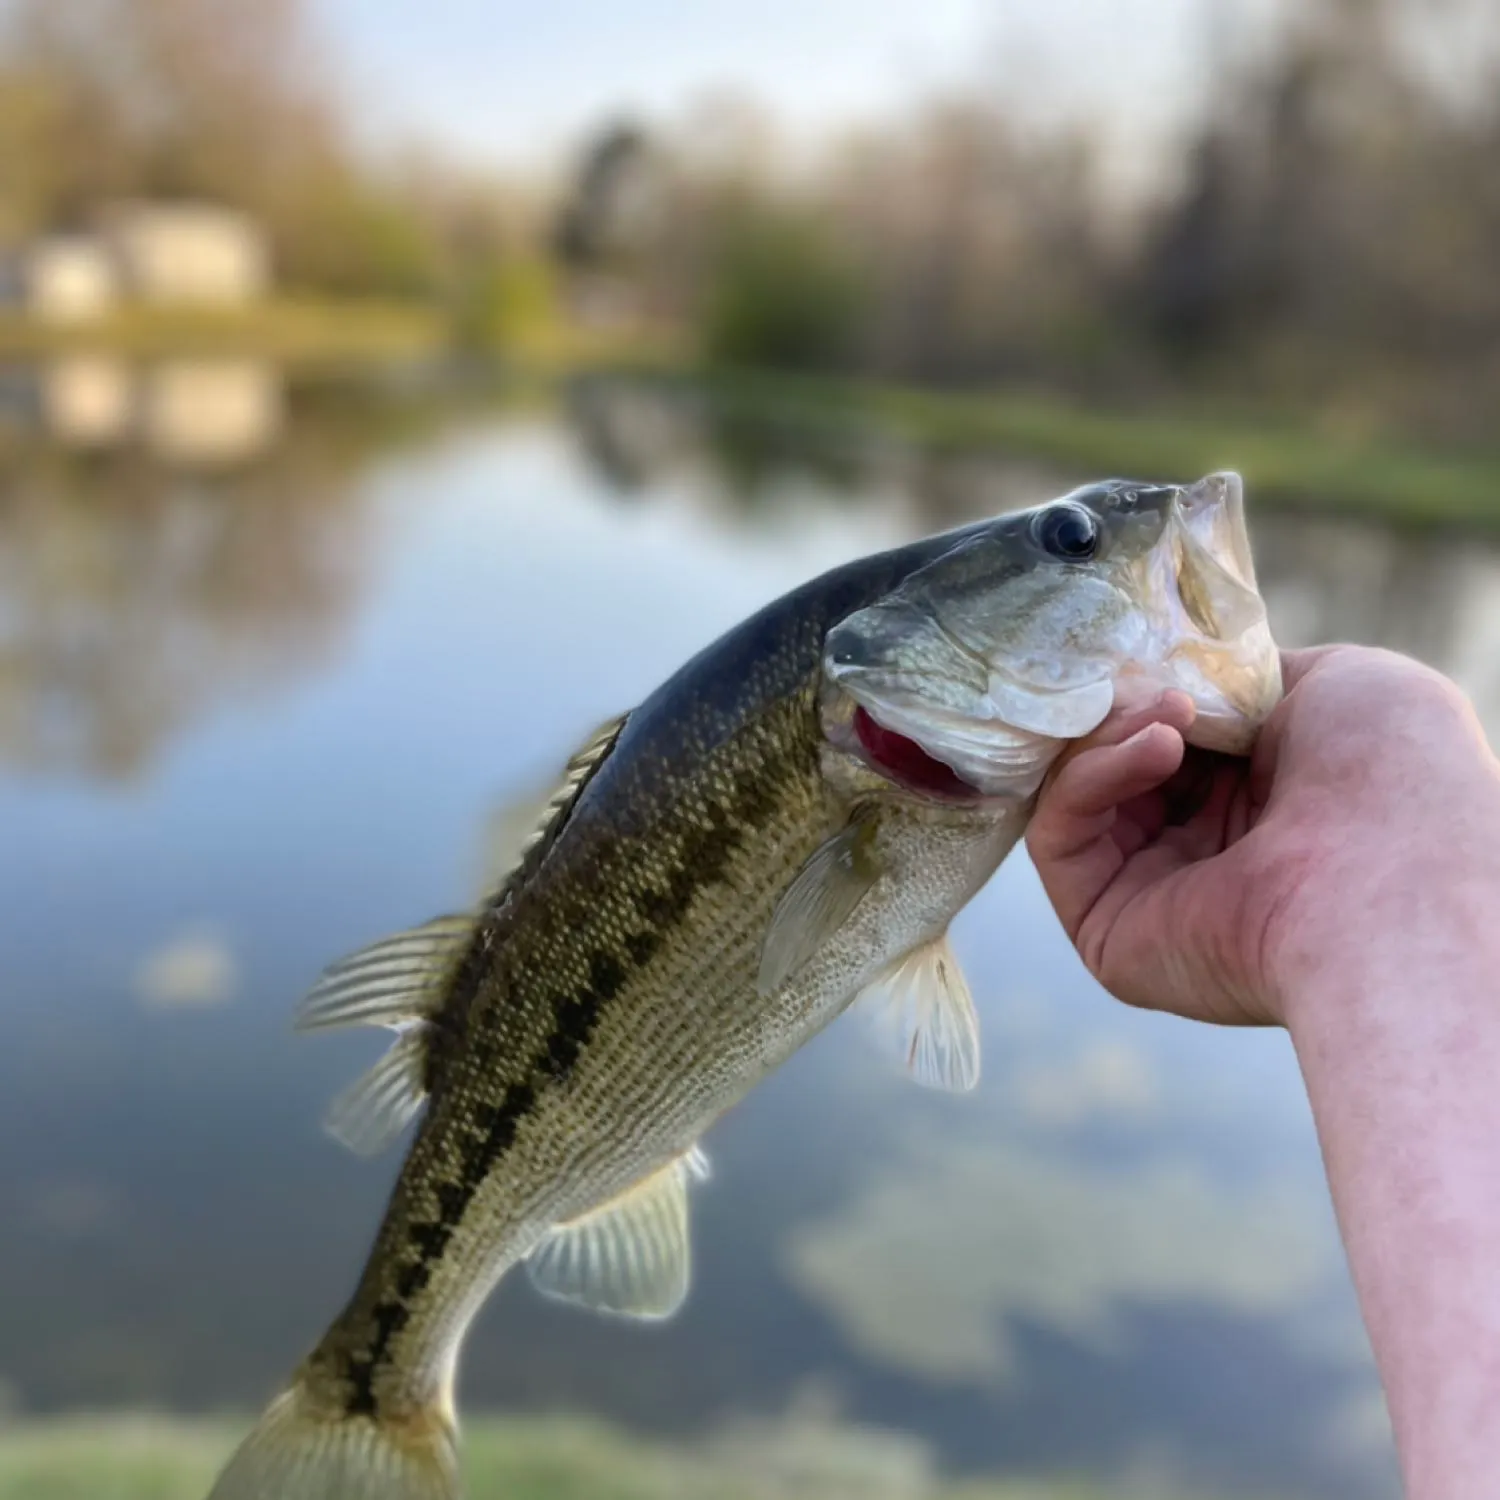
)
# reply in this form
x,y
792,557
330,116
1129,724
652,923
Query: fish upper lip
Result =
x,y
1223,490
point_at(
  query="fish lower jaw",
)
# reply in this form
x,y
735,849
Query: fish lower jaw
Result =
x,y
1231,706
1228,734
949,777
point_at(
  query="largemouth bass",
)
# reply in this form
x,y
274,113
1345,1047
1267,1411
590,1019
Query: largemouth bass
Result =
x,y
789,822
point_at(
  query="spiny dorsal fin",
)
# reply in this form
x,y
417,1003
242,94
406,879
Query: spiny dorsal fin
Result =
x,y
923,1007
630,1255
401,981
580,770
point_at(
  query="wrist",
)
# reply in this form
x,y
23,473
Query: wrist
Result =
x,y
1407,925
1389,1000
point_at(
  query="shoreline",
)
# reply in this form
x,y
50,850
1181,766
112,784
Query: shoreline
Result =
x,y
1287,466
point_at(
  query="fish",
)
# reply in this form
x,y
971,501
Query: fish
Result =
x,y
786,827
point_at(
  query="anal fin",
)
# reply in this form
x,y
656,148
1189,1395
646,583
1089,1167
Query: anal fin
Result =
x,y
376,1107
630,1255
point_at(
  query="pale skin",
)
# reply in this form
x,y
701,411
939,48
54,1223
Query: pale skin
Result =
x,y
1344,883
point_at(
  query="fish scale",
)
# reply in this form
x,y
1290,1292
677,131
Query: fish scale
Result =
x,y
718,877
701,848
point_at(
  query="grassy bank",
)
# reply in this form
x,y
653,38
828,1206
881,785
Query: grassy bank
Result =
x,y
291,331
314,331
121,1458
1284,462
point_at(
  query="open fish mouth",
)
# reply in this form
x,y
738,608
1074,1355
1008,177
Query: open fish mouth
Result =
x,y
947,758
966,681
1216,639
904,761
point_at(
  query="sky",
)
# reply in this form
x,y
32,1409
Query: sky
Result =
x,y
518,83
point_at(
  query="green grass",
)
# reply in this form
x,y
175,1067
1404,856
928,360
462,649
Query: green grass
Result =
x,y
1284,462
290,330
304,330
160,1458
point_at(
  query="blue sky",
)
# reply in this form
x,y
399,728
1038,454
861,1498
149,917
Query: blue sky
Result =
x,y
521,81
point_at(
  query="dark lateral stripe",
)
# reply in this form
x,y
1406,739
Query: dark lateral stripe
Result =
x,y
450,1025
575,1015
389,1318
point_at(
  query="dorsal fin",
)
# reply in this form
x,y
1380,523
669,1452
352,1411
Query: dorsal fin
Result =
x,y
580,770
401,981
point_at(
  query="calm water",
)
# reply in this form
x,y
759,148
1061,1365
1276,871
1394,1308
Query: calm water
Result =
x,y
256,712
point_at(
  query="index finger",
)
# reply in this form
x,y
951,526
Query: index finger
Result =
x,y
1134,710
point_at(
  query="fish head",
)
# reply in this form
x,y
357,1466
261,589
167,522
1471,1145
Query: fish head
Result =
x,y
969,677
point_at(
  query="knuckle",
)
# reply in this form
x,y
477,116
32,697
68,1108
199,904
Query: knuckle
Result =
x,y
1090,951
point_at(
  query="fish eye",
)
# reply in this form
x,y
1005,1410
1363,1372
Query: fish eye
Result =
x,y
1068,532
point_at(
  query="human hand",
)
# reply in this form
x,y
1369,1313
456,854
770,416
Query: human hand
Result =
x,y
1216,888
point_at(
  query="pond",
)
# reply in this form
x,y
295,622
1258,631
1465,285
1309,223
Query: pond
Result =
x,y
259,707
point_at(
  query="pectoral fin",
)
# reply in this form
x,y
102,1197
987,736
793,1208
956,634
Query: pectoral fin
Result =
x,y
819,901
630,1255
923,1006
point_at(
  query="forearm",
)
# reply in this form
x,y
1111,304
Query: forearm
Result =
x,y
1396,1023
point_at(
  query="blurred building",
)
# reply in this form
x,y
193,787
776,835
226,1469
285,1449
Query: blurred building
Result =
x,y
67,279
161,254
186,253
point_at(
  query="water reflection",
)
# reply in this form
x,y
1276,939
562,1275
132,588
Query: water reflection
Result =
x,y
159,577
201,412
341,678
86,401
191,413
132,601
1436,597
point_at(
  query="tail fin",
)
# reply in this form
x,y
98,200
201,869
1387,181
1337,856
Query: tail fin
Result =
x,y
297,1453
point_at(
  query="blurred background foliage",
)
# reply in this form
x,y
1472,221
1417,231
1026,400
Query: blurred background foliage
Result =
x,y
781,291
1323,238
